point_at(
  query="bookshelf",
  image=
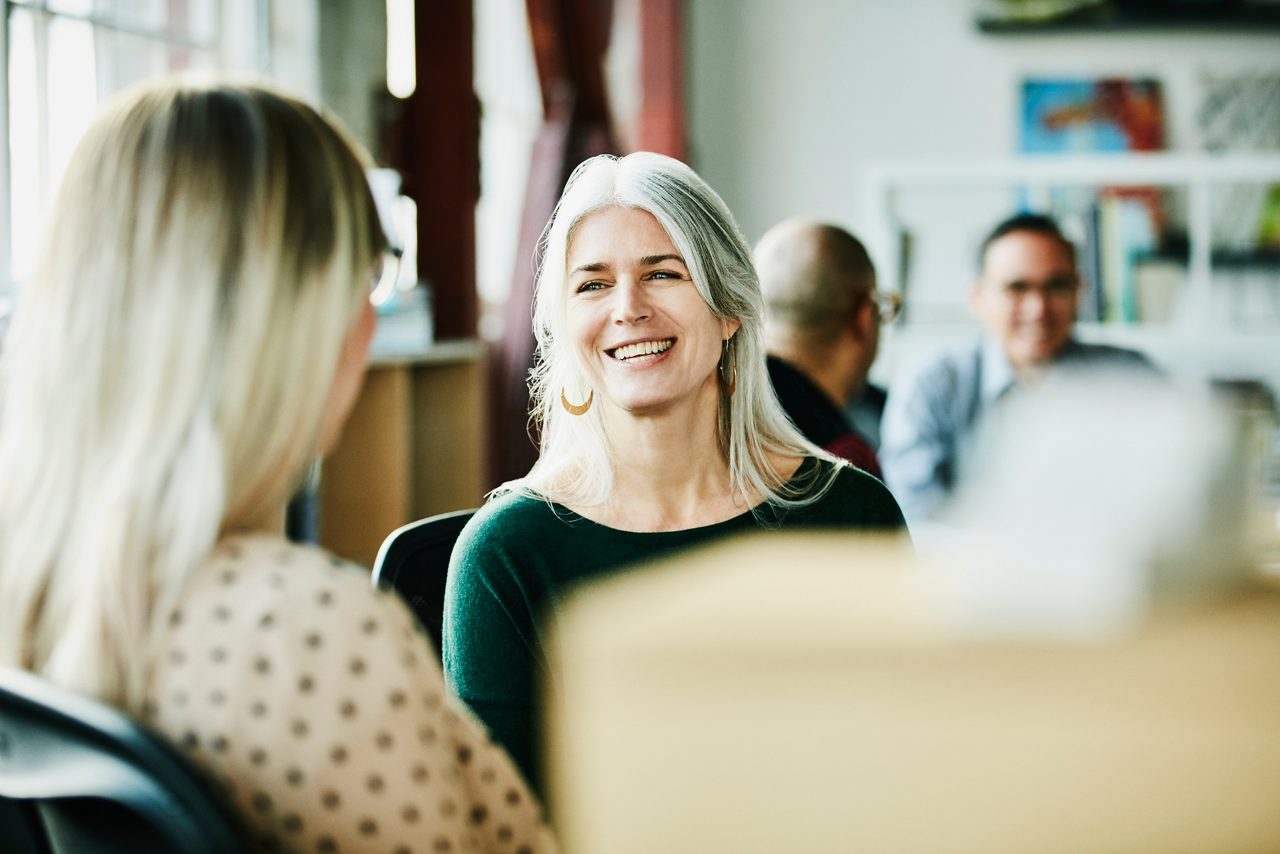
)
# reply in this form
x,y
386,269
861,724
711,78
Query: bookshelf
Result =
x,y
1195,174
1193,337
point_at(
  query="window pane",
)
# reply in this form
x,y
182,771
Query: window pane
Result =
x,y
149,16
71,7
189,20
24,147
196,20
125,59
61,64
72,90
145,15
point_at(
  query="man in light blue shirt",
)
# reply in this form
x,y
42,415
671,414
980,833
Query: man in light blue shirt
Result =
x,y
1025,297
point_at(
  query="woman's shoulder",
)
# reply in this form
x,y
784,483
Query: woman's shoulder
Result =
x,y
851,497
260,567
255,588
513,505
522,534
513,515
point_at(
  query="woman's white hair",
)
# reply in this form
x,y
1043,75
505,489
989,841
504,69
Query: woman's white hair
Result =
x,y
168,365
574,465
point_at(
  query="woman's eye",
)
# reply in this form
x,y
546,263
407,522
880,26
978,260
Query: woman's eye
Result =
x,y
663,274
588,286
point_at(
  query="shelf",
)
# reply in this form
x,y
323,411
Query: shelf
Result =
x,y
429,352
1131,17
1121,169
1224,259
884,181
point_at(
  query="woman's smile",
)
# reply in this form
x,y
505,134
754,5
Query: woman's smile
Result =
x,y
642,352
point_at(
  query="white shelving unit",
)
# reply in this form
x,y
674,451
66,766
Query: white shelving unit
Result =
x,y
1203,349
1197,174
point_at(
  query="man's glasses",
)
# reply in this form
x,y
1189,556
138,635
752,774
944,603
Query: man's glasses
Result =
x,y
1061,287
386,276
888,305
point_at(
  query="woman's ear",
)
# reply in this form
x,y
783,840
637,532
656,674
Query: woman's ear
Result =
x,y
730,327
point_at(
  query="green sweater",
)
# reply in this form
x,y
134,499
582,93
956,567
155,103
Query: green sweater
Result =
x,y
519,556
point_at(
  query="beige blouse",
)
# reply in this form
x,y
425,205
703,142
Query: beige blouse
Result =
x,y
319,704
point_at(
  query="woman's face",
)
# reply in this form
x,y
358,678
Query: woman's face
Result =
x,y
645,338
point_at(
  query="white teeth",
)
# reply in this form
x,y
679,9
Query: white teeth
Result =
x,y
643,348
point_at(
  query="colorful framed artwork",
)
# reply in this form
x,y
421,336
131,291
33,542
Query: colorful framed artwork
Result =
x,y
1106,114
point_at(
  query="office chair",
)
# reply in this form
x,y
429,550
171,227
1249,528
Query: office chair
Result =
x,y
77,776
414,561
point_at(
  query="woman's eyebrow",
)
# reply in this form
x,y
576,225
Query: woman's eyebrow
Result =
x,y
592,267
647,261
650,260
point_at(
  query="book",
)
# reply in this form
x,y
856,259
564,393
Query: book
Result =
x,y
1111,225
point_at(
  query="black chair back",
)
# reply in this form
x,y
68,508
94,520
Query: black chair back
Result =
x,y
78,776
414,561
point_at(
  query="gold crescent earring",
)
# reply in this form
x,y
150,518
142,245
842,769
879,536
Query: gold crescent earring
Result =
x,y
574,409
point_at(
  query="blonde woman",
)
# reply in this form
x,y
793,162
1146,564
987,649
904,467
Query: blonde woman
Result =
x,y
196,333
660,429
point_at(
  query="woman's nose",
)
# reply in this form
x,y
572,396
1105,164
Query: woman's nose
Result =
x,y
632,305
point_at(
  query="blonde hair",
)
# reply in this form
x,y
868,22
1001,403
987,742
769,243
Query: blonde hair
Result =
x,y
168,365
574,465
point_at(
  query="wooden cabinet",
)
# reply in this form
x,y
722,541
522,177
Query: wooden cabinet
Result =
x,y
413,447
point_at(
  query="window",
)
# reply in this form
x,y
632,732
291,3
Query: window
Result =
x,y
506,82
62,59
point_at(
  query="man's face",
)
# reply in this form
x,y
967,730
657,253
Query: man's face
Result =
x,y
1026,296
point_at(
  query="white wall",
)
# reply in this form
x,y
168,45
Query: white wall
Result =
x,y
790,100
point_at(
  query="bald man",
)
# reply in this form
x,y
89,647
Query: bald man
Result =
x,y
822,326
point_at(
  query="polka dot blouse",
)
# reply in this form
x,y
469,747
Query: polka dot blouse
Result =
x,y
320,706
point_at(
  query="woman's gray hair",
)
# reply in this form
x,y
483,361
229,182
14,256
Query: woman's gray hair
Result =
x,y
574,466
168,366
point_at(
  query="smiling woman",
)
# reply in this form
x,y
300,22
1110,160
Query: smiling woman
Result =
x,y
660,429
